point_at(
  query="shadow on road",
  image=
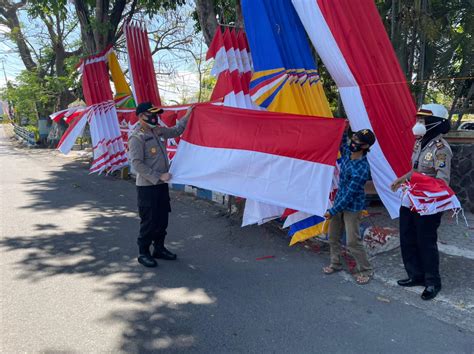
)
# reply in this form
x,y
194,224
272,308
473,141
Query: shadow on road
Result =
x,y
104,250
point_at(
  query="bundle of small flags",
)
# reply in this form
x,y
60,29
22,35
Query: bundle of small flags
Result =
x,y
430,195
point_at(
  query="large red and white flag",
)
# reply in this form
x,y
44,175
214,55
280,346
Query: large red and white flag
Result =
x,y
265,156
351,40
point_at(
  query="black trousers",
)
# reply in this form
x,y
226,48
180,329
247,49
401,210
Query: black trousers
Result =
x,y
418,242
153,209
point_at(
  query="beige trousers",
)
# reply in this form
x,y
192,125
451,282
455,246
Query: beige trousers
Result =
x,y
351,222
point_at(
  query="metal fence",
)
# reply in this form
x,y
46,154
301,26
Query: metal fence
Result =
x,y
25,135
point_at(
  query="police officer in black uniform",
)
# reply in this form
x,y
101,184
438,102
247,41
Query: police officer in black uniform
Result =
x,y
418,234
149,159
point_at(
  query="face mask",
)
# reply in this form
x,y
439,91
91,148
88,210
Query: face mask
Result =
x,y
151,120
354,147
419,129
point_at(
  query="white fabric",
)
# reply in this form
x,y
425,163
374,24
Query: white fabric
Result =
x,y
245,60
260,213
238,59
272,179
221,62
232,60
296,217
108,147
327,48
69,142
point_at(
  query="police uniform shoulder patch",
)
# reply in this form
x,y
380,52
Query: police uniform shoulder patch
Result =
x,y
439,144
441,160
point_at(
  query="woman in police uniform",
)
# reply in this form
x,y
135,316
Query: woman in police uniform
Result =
x,y
418,234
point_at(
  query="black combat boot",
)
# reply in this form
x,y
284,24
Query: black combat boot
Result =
x,y
145,257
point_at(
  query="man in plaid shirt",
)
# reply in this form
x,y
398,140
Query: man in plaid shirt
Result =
x,y
348,205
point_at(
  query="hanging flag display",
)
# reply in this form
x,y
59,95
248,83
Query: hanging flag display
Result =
x,y
143,78
109,153
232,68
285,80
247,163
140,60
371,83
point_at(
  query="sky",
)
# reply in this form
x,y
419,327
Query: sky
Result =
x,y
177,73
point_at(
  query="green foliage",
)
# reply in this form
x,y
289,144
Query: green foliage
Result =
x,y
24,95
442,30
225,9
207,86
34,94
34,129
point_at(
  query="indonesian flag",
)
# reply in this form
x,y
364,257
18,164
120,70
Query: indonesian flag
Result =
x,y
218,51
351,40
430,195
265,156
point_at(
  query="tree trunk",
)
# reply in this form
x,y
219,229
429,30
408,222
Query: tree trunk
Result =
x,y
239,22
101,28
87,33
207,18
422,58
115,18
465,105
394,19
9,12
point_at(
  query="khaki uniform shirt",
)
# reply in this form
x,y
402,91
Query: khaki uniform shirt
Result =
x,y
147,152
434,159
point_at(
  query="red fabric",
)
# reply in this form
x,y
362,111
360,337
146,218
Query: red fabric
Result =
x,y
230,82
216,44
278,134
233,38
241,41
223,85
422,183
236,81
363,41
96,83
141,64
430,195
227,40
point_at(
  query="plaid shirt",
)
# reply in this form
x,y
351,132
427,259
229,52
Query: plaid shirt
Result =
x,y
354,174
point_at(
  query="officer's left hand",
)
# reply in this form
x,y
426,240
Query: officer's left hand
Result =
x,y
327,215
165,177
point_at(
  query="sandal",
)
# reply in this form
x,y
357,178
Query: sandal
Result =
x,y
363,279
331,270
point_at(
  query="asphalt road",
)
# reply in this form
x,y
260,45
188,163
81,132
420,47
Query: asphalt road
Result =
x,y
70,282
